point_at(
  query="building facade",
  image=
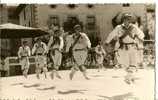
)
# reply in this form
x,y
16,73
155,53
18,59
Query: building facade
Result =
x,y
26,17
96,20
4,43
7,16
3,13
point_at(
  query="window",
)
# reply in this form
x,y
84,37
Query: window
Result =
x,y
126,5
91,22
71,6
54,20
73,18
90,6
24,15
71,21
1,5
29,24
53,6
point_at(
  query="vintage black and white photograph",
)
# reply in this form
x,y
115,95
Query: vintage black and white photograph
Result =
x,y
77,51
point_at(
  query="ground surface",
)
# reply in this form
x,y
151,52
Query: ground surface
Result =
x,y
103,85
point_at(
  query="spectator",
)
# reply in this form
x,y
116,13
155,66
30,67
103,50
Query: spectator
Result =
x,y
3,67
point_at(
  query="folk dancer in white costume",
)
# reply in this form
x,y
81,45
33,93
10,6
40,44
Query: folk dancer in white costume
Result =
x,y
55,46
23,54
78,46
39,50
127,33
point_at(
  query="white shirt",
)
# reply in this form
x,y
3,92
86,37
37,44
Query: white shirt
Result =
x,y
24,51
82,43
39,48
118,32
60,46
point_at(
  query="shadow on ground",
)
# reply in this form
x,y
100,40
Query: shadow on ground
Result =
x,y
44,89
97,75
33,85
17,84
71,91
120,97
115,76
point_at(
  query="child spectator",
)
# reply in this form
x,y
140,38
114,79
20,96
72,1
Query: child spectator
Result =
x,y
100,53
3,67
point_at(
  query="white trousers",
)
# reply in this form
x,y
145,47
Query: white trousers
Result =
x,y
80,57
56,57
24,63
127,57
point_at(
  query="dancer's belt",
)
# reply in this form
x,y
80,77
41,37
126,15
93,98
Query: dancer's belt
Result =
x,y
83,49
128,45
23,56
39,54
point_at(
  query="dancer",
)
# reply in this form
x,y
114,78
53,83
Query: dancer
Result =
x,y
39,50
55,46
23,54
78,46
127,33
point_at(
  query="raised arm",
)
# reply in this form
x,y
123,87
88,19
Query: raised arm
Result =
x,y
50,43
139,33
19,52
45,48
34,49
29,51
112,35
103,50
61,43
87,40
69,42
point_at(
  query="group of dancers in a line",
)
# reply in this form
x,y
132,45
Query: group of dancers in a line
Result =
x,y
78,45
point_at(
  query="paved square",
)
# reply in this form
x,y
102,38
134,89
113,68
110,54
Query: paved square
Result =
x,y
103,85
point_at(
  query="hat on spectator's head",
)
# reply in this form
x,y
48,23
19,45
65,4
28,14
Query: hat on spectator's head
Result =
x,y
127,16
77,26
